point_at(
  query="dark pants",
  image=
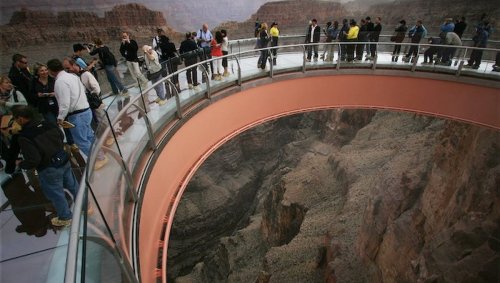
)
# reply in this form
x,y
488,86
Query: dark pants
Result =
x,y
224,60
448,54
373,49
274,42
429,53
413,51
205,56
350,50
263,58
310,51
191,73
397,49
343,52
359,51
11,155
475,58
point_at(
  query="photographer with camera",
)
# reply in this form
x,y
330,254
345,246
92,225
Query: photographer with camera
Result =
x,y
128,49
78,48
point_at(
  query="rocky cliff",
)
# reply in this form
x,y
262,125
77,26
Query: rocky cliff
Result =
x,y
35,27
344,196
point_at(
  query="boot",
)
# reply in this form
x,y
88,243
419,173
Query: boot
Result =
x,y
274,61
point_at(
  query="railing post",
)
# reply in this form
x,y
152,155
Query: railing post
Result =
x,y
304,59
177,99
415,58
271,67
339,56
239,70
204,73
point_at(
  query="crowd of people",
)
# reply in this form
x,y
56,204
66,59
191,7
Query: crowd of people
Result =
x,y
358,38
65,94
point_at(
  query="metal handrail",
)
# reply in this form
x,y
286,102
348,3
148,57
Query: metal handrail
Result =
x,y
71,264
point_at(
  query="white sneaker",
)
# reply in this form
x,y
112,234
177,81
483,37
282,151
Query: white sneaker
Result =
x,y
197,88
190,86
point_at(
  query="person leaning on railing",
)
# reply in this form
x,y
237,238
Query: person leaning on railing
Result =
x,y
398,38
416,33
225,51
352,36
274,32
189,52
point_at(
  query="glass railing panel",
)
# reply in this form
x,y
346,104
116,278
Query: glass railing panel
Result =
x,y
103,238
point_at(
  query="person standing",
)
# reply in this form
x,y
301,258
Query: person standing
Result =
x,y
447,26
43,149
313,36
9,97
169,59
416,33
225,51
274,32
263,41
99,116
43,89
128,49
352,36
217,53
108,60
460,27
77,56
398,38
153,62
374,37
73,105
363,36
332,33
480,40
156,42
343,38
451,39
188,51
204,38
21,77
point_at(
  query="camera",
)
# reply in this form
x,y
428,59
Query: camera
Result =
x,y
89,45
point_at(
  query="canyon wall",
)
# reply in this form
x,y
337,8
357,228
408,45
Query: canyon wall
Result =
x,y
344,196
39,28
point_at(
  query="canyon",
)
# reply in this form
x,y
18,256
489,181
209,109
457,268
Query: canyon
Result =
x,y
344,196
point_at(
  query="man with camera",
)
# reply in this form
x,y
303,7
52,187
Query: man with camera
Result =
x,y
128,49
78,48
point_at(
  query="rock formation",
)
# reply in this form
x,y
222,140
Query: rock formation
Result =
x,y
344,196
34,27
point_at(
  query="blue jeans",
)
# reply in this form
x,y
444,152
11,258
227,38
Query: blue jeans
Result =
x,y
82,133
53,181
113,79
160,88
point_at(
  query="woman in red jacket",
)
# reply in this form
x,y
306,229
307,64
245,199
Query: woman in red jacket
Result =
x,y
216,53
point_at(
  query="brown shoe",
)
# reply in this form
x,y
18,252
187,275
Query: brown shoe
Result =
x,y
56,222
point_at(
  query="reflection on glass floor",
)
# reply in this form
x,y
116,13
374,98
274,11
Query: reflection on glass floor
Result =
x,y
26,258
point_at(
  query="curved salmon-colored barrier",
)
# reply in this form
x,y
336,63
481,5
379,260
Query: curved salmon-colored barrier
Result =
x,y
224,119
